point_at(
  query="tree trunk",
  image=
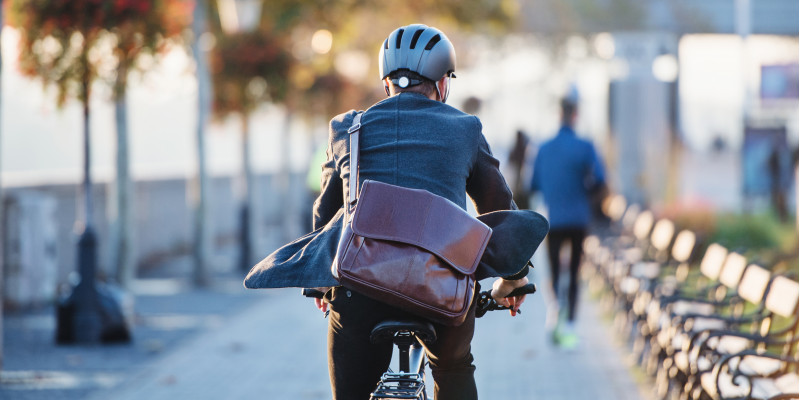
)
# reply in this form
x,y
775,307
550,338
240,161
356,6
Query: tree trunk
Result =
x,y
199,185
289,220
88,201
2,227
246,200
122,254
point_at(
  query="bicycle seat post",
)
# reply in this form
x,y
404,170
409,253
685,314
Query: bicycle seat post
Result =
x,y
403,340
406,336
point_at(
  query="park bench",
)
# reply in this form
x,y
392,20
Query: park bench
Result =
x,y
706,333
751,374
616,258
635,287
656,280
747,323
606,253
761,364
666,294
720,274
715,294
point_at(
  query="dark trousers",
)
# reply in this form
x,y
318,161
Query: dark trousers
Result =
x,y
356,365
555,240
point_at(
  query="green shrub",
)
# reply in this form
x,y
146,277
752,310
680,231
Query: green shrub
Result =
x,y
747,232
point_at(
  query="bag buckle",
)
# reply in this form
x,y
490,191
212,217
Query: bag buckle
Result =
x,y
354,128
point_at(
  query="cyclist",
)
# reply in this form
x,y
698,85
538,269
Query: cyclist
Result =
x,y
411,139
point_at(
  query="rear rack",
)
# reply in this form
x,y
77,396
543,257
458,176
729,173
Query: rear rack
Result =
x,y
398,385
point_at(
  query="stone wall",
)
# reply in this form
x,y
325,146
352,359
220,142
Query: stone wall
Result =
x,y
39,229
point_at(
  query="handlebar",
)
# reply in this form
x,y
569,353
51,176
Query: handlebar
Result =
x,y
485,301
313,293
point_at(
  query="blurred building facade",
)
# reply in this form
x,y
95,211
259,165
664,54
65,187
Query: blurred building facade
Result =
x,y
687,79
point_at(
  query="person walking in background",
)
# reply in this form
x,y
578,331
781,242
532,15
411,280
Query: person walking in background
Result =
x,y
567,171
517,162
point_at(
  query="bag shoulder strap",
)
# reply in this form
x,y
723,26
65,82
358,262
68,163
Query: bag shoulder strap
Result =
x,y
354,131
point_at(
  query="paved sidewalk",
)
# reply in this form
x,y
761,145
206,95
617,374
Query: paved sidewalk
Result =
x,y
169,312
275,349
229,343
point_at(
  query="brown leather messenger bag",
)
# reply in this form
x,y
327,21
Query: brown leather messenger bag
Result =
x,y
408,247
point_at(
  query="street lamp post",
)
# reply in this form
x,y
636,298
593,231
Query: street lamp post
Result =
x,y
90,314
240,16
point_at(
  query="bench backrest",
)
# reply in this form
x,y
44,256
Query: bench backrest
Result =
x,y
782,297
712,262
629,219
614,207
662,234
643,225
754,284
683,246
733,271
591,244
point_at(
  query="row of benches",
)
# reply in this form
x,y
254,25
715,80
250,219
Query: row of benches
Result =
x,y
700,319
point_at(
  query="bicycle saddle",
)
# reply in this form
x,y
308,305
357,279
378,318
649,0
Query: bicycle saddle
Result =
x,y
385,330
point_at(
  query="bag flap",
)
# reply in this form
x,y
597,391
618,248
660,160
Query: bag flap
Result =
x,y
422,219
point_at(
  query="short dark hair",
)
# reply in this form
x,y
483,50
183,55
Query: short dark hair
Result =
x,y
568,109
427,87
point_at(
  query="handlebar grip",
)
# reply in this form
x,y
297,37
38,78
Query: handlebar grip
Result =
x,y
312,293
527,289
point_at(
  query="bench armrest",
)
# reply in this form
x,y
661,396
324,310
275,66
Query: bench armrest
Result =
x,y
700,342
730,365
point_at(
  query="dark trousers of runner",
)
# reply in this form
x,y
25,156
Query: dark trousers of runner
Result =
x,y
356,365
555,240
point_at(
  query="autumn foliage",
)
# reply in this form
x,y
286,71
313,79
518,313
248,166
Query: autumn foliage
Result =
x,y
69,43
248,68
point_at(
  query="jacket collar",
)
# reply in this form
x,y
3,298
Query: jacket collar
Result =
x,y
566,130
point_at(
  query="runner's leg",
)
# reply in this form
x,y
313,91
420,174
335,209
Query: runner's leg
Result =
x,y
576,237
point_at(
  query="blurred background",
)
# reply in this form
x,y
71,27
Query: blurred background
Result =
x,y
181,139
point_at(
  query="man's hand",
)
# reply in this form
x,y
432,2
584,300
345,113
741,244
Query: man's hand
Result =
x,y
501,288
321,304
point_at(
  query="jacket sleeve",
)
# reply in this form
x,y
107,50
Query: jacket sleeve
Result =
x,y
489,191
330,199
596,166
486,186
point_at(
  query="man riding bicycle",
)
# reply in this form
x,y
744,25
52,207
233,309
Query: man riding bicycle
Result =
x,y
411,139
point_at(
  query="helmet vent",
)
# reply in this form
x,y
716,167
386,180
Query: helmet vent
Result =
x,y
414,39
399,38
433,42
386,44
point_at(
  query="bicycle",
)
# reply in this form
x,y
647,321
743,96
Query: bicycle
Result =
x,y
409,381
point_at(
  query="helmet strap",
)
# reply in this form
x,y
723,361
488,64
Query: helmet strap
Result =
x,y
446,84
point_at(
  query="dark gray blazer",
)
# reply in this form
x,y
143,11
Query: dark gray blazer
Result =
x,y
411,141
